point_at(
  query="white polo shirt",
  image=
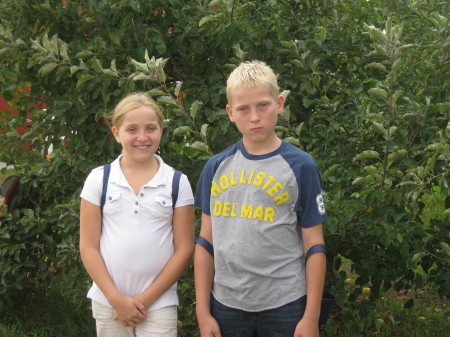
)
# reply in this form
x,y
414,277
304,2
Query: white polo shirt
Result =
x,y
136,241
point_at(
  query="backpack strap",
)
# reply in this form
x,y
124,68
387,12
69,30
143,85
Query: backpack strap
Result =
x,y
175,187
106,171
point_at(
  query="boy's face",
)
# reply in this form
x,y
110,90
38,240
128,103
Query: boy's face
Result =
x,y
255,112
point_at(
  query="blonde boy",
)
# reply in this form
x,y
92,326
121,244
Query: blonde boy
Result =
x,y
262,210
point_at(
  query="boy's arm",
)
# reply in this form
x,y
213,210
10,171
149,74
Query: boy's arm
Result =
x,y
183,240
204,275
315,280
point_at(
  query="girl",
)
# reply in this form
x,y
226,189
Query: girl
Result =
x,y
139,245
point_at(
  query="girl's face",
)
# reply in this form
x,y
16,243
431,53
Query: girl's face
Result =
x,y
139,134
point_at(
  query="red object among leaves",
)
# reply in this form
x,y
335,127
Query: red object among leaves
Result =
x,y
21,129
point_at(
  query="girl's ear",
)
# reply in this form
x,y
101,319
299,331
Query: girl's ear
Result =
x,y
115,132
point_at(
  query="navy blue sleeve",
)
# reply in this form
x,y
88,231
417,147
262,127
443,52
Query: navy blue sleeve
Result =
x,y
203,192
310,205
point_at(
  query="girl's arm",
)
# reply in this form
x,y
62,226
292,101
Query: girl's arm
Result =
x,y
183,239
129,311
315,280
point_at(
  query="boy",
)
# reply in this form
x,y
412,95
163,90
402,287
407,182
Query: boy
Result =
x,y
262,210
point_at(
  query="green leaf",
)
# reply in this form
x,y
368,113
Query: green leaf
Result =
x,y
204,129
362,180
46,43
418,256
240,54
138,66
83,78
376,65
155,92
37,46
378,91
178,88
396,96
330,170
396,156
47,68
315,63
54,45
143,77
380,128
161,77
396,65
63,52
83,53
95,64
321,34
445,247
200,146
371,169
297,63
396,32
286,113
110,72
376,34
167,100
74,69
206,19
366,155
293,141
36,59
113,66
194,108
215,3
285,94
182,130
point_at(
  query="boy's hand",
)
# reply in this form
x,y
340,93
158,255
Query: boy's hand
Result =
x,y
208,327
129,311
307,328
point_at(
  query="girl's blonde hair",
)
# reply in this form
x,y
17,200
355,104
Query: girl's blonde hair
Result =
x,y
252,74
133,101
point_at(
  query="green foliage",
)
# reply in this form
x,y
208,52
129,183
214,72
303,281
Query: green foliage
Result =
x,y
367,86
57,316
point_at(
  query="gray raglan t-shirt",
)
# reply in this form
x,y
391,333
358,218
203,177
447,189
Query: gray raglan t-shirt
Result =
x,y
256,204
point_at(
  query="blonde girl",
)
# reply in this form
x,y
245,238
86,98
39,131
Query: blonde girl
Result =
x,y
139,245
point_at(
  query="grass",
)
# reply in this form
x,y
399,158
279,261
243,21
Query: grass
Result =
x,y
46,315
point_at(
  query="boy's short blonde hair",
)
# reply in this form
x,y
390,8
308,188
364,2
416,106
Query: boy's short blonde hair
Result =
x,y
252,74
133,101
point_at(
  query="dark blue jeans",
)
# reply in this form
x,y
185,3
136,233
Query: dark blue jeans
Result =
x,y
279,322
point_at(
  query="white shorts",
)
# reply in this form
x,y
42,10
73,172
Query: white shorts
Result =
x,y
161,323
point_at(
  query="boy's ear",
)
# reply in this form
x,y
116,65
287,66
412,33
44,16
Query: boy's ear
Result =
x,y
230,113
280,103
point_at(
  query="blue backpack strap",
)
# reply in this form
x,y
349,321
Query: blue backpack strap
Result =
x,y
205,244
175,187
106,171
